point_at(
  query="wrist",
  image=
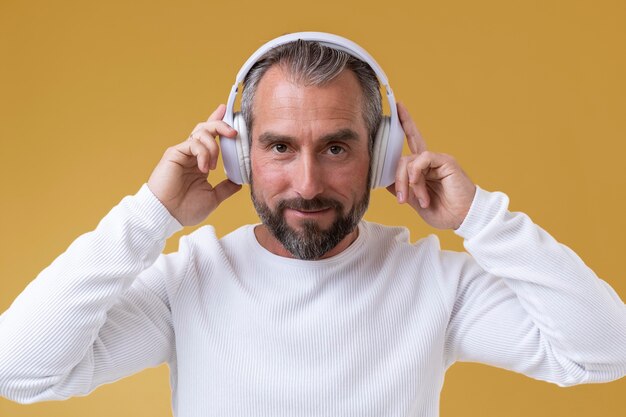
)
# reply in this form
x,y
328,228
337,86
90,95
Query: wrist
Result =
x,y
484,208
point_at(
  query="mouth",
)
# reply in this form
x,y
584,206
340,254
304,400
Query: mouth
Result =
x,y
312,210
309,214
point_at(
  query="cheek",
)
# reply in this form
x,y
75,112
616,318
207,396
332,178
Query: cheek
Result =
x,y
268,180
353,175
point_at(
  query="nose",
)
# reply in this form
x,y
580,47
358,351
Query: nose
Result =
x,y
308,180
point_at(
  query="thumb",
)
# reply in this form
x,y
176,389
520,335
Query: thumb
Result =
x,y
225,189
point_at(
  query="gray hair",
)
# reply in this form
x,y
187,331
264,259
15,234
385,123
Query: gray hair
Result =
x,y
310,63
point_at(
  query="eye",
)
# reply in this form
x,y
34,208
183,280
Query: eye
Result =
x,y
336,149
280,148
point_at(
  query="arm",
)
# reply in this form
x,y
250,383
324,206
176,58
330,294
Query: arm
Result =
x,y
89,316
528,303
100,311
524,302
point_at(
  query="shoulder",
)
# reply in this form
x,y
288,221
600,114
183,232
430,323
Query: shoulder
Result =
x,y
393,247
397,240
201,258
204,251
424,256
204,242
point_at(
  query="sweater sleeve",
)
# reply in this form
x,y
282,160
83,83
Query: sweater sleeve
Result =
x,y
527,303
98,312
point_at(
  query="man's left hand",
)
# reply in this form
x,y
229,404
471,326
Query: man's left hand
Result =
x,y
432,183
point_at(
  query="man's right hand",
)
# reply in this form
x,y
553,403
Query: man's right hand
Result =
x,y
179,181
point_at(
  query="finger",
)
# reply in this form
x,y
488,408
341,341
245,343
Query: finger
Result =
x,y
417,180
225,189
416,142
425,166
193,152
402,180
214,128
207,132
201,153
218,114
211,144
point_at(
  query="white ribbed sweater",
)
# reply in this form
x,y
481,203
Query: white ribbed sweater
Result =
x,y
369,332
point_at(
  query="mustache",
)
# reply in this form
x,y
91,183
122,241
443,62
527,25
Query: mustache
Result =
x,y
317,203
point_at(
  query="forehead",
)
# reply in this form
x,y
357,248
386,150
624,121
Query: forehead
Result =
x,y
281,102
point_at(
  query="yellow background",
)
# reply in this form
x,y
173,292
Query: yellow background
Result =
x,y
530,97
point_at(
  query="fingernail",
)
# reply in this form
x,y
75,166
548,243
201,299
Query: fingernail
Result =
x,y
421,202
399,195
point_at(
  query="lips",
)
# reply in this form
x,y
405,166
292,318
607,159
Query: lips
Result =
x,y
309,213
313,205
317,209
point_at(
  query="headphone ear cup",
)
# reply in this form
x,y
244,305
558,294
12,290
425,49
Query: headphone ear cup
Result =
x,y
242,145
379,151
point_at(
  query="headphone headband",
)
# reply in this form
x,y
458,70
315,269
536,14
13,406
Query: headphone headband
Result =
x,y
326,39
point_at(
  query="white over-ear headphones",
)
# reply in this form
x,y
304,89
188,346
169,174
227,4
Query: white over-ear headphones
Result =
x,y
389,137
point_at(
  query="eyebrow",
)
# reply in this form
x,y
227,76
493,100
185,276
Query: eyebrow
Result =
x,y
345,134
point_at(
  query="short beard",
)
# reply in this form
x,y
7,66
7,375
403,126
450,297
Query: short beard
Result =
x,y
312,242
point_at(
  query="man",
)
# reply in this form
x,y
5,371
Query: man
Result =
x,y
314,311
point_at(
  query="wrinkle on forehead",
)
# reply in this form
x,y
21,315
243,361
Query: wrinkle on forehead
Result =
x,y
282,112
278,98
